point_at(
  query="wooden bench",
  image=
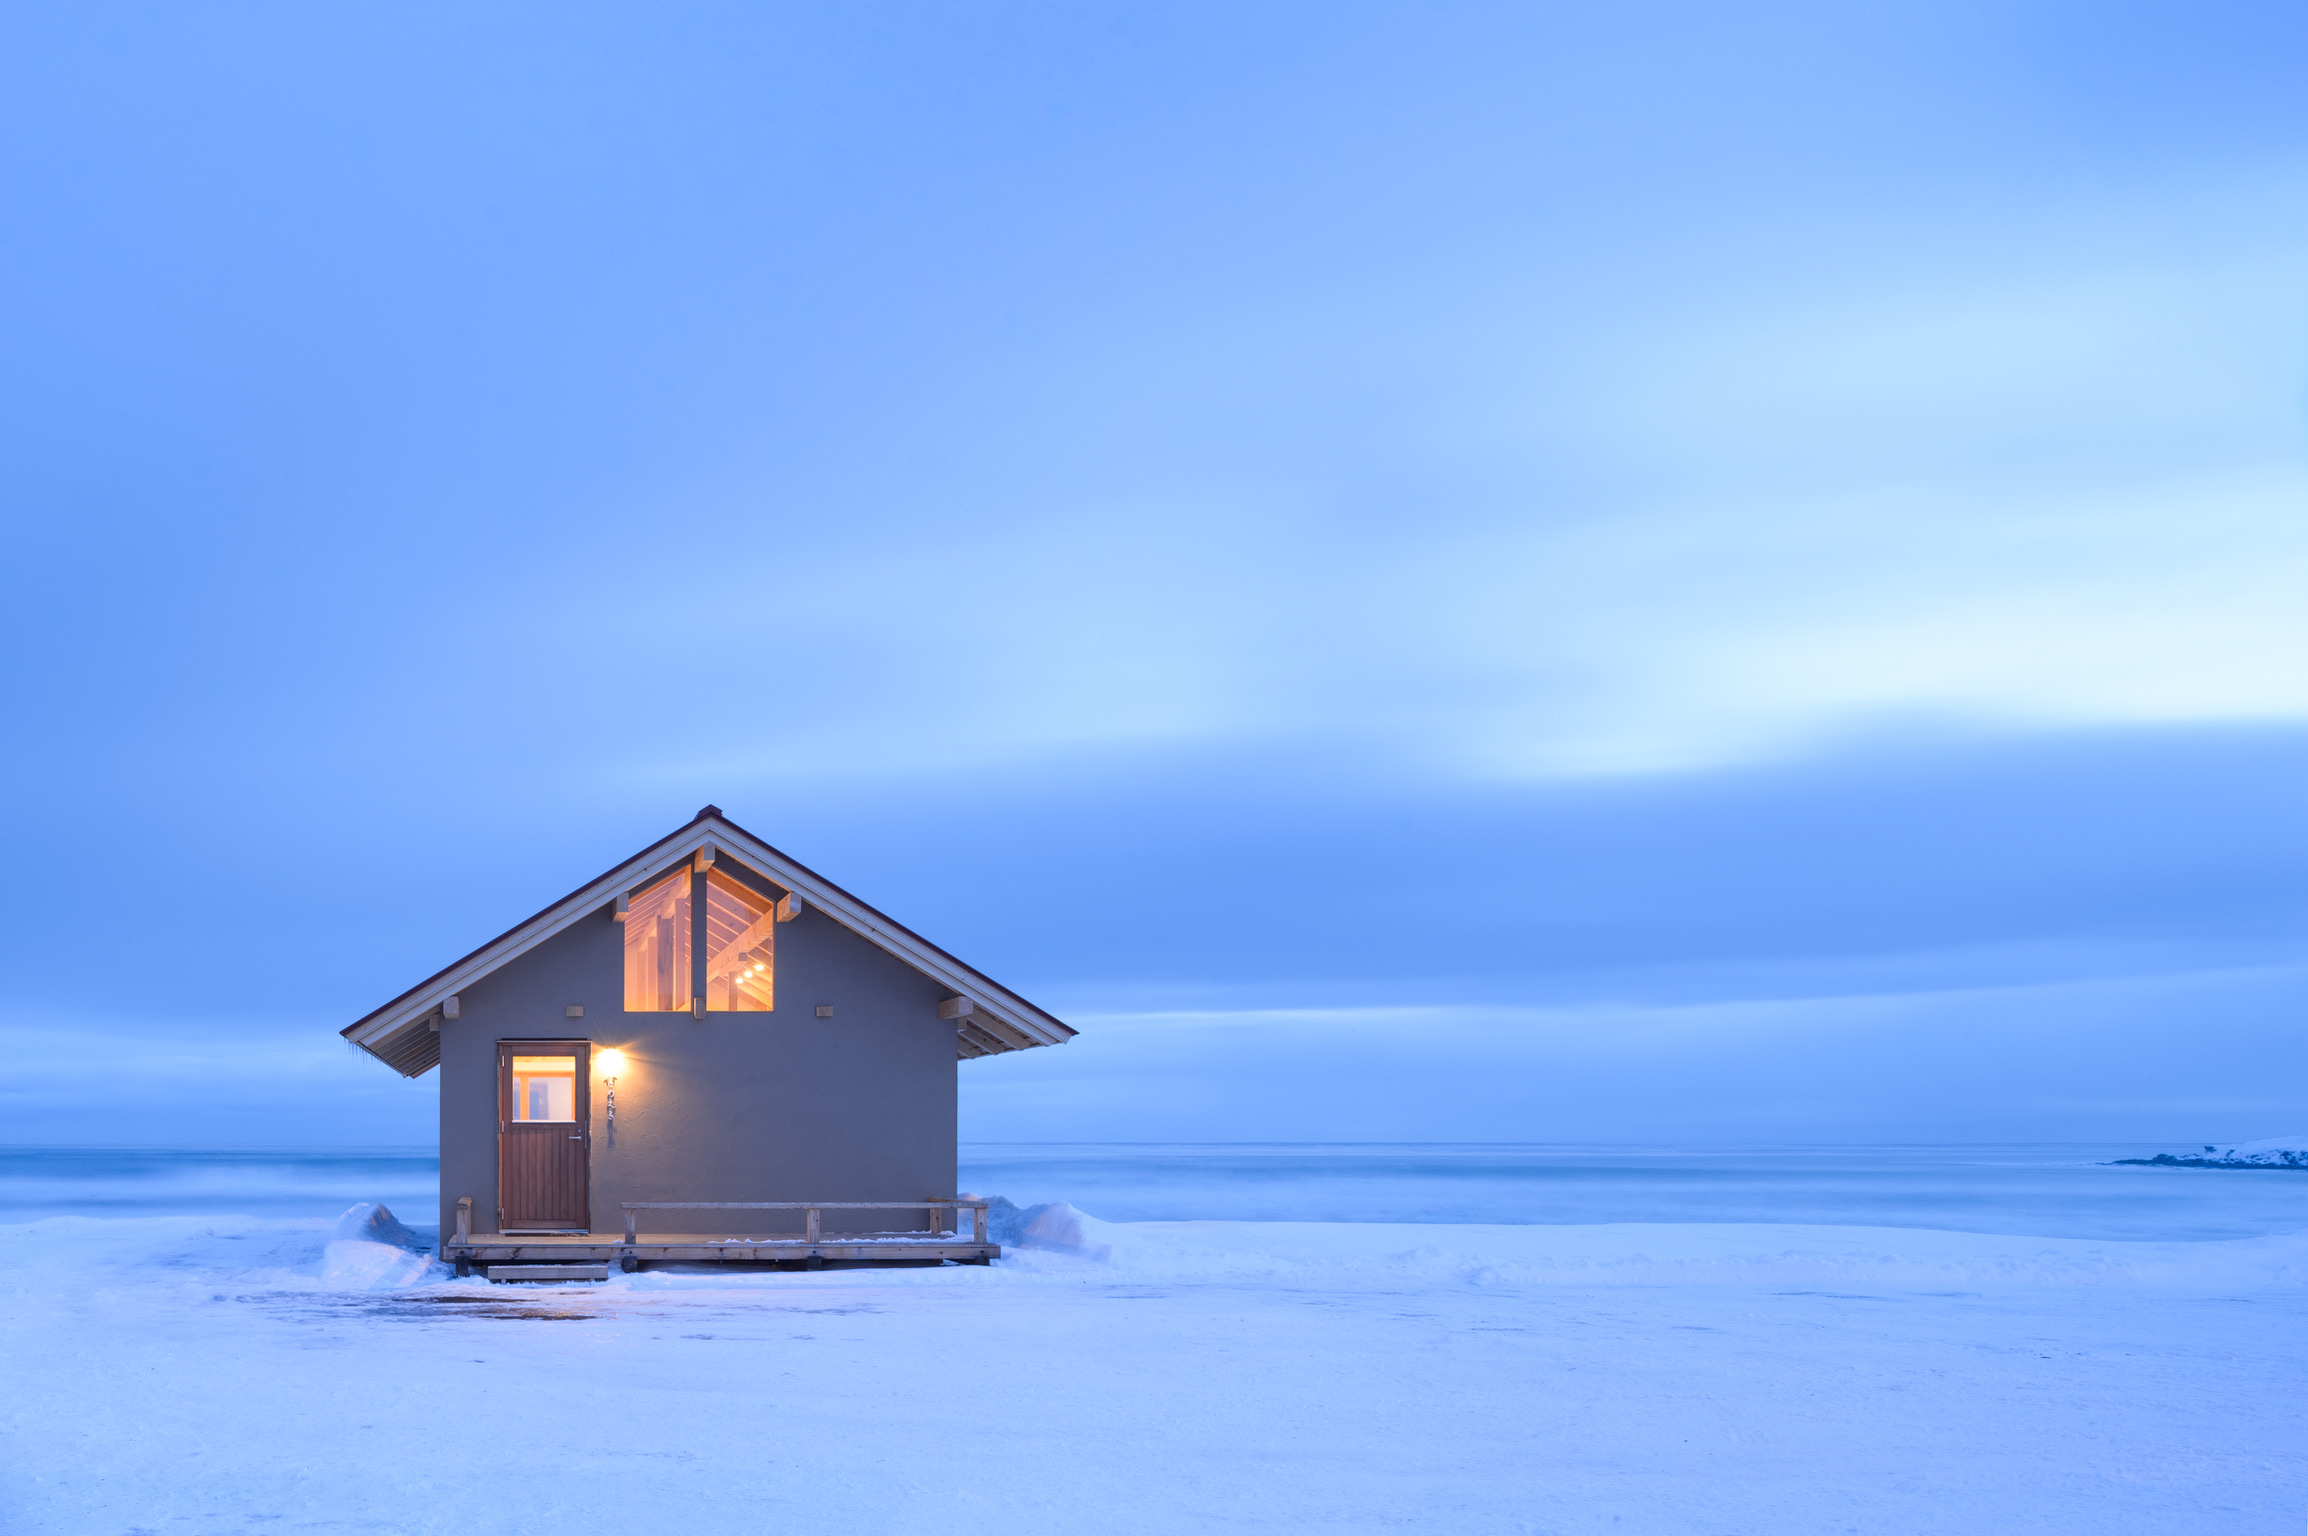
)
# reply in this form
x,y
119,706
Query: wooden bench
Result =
x,y
812,1225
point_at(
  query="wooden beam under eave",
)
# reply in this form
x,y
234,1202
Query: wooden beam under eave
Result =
x,y
1007,1037
988,1043
412,1050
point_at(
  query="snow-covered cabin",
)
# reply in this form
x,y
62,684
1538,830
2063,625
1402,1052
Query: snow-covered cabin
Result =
x,y
710,1021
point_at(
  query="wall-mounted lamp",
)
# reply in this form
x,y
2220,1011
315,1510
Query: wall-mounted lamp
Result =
x,y
611,1062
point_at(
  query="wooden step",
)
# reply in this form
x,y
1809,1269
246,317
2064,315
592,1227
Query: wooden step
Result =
x,y
548,1271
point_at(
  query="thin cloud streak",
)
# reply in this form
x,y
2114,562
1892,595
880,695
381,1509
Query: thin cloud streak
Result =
x,y
2080,1061
2068,497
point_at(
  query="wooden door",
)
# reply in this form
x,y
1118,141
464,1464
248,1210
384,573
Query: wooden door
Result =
x,y
544,1133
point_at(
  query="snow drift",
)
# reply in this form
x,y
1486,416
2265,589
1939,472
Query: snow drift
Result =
x,y
1053,1225
371,1251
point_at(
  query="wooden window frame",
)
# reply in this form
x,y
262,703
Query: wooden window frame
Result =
x,y
700,946
696,936
700,933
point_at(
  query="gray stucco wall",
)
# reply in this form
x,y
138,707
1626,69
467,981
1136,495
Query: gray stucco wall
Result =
x,y
741,1106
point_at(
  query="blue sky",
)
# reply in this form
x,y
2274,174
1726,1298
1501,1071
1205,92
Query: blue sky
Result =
x,y
1421,572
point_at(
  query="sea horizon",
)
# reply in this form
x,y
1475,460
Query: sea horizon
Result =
x,y
2060,1189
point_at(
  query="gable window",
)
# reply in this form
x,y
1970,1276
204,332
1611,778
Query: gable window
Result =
x,y
740,944
657,947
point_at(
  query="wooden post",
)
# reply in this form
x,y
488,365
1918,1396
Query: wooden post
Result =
x,y
980,1224
464,1219
812,1229
632,1226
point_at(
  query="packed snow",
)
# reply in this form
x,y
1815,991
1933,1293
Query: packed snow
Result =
x,y
233,1374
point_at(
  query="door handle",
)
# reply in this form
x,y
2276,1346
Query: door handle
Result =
x,y
576,1138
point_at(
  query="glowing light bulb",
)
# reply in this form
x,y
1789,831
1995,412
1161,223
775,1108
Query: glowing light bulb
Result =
x,y
612,1062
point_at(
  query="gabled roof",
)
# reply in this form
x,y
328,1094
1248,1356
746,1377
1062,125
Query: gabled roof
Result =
x,y
403,1034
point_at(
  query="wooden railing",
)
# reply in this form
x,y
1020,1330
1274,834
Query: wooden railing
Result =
x,y
810,1232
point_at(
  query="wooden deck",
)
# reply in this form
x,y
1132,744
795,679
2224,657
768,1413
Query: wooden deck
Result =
x,y
809,1249
689,1248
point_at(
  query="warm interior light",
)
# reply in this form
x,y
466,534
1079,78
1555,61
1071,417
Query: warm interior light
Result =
x,y
739,930
611,1062
657,933
544,1087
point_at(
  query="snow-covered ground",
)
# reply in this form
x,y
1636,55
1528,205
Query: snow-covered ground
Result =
x,y
198,1375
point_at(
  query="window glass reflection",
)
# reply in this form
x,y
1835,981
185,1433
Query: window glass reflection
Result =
x,y
544,1087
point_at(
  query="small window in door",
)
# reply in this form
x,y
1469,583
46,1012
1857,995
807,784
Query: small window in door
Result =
x,y
544,1087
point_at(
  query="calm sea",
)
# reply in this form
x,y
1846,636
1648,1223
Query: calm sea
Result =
x,y
2043,1190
